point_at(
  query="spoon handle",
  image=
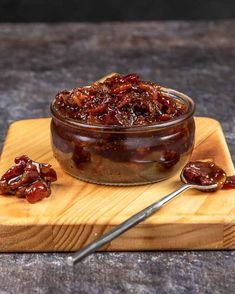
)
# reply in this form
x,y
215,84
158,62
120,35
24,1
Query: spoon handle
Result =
x,y
124,226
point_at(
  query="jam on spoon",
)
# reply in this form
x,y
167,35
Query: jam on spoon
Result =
x,y
28,179
207,173
204,173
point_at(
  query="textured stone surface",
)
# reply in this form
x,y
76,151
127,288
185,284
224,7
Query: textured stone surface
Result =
x,y
38,60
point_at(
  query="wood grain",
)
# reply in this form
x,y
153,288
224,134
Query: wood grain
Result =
x,y
78,212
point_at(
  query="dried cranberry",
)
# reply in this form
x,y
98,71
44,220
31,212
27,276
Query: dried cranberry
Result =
x,y
28,179
37,191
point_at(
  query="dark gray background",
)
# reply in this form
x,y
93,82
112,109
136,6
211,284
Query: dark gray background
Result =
x,y
113,10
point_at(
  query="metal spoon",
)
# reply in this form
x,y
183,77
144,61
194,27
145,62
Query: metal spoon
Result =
x,y
134,220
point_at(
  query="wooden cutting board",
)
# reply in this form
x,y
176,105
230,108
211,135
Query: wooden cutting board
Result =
x,y
78,212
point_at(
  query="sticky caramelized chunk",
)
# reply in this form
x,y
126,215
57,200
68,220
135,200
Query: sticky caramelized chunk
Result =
x,y
119,100
28,179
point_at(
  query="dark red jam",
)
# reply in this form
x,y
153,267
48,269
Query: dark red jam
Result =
x,y
28,179
207,173
112,132
119,100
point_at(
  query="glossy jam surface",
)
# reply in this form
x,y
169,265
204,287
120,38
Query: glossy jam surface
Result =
x,y
28,179
207,173
113,132
119,101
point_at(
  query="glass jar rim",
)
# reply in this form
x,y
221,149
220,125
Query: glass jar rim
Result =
x,y
123,129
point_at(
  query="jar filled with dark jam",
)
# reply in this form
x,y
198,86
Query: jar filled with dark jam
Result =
x,y
122,131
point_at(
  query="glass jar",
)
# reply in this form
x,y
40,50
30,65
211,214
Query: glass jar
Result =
x,y
116,155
